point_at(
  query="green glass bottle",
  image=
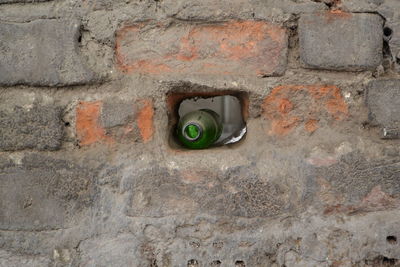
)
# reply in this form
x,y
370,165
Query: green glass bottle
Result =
x,y
199,129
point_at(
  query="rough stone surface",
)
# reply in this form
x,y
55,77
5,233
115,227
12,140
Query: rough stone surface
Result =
x,y
383,100
376,182
42,193
252,48
21,1
92,174
116,113
390,10
337,41
238,192
113,121
360,5
48,45
121,250
8,259
37,127
315,102
209,10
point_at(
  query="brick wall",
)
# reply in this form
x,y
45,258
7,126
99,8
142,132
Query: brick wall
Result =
x,y
90,177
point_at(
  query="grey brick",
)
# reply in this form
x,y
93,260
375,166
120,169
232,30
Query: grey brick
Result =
x,y
390,11
361,5
354,177
39,127
383,100
157,193
12,260
42,52
122,250
341,41
41,193
116,113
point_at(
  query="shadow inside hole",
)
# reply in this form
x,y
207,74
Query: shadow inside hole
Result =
x,y
216,263
391,239
240,264
193,263
387,31
389,261
228,107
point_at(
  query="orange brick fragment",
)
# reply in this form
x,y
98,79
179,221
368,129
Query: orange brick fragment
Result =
x,y
235,47
145,120
88,129
287,107
311,125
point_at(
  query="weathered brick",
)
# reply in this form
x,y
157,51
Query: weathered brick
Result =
x,y
222,10
383,100
21,1
113,121
391,31
358,185
43,193
116,113
341,41
8,259
121,250
88,129
145,120
359,6
42,52
37,127
156,192
290,106
238,47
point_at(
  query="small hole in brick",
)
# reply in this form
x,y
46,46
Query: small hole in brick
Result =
x,y
218,244
216,263
67,124
389,261
387,31
77,144
193,263
365,125
391,239
199,121
240,264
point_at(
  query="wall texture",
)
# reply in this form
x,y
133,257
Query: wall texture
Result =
x,y
88,175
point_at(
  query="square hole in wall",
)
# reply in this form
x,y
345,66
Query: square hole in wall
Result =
x,y
200,120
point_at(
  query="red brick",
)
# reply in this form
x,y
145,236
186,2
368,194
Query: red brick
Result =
x,y
145,120
290,106
88,129
236,47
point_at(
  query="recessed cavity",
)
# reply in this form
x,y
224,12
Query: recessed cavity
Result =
x,y
216,263
391,239
387,31
193,263
207,120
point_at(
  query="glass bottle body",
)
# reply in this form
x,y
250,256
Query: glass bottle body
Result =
x,y
199,129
